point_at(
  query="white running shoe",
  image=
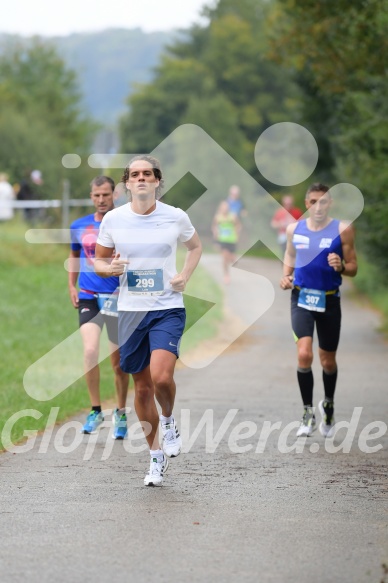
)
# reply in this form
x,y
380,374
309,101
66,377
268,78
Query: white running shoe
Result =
x,y
171,441
326,426
156,472
308,423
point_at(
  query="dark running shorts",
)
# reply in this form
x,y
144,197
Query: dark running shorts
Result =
x,y
328,323
88,311
231,247
142,332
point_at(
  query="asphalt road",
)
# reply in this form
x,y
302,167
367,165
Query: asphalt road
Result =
x,y
246,501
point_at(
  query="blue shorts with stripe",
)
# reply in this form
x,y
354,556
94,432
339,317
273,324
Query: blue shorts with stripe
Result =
x,y
142,332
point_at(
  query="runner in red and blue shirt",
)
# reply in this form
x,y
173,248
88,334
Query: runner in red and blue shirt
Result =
x,y
96,302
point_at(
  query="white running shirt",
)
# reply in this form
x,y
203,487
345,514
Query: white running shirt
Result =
x,y
149,243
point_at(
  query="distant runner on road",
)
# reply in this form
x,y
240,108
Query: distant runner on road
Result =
x,y
320,250
284,217
226,227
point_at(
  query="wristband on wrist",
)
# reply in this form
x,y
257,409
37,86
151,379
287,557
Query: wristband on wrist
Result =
x,y
343,267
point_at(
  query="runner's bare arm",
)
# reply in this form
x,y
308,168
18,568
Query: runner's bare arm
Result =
x,y
73,276
105,265
347,266
289,259
193,255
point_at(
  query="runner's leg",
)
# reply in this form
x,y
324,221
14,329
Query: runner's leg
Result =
x,y
121,378
145,407
162,374
90,334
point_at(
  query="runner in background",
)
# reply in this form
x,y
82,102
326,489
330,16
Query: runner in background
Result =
x,y
7,196
95,304
281,219
236,205
226,228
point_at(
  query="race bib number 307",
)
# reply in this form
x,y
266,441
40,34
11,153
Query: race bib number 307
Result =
x,y
312,299
145,282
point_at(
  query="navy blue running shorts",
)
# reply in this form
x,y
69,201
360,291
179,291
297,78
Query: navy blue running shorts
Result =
x,y
328,323
88,311
142,332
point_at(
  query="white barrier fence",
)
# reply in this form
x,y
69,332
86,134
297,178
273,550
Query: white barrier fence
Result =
x,y
40,204
65,203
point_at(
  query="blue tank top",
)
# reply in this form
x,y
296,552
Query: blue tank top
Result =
x,y
84,232
312,248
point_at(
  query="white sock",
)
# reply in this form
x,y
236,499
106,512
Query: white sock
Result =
x,y
166,420
158,453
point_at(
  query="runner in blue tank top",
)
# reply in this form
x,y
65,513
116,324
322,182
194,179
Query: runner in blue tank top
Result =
x,y
320,250
93,292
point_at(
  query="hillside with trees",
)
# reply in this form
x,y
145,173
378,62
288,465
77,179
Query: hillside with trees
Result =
x,y
58,94
41,115
108,64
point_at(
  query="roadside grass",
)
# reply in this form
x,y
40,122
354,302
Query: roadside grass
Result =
x,y
36,315
370,287
260,250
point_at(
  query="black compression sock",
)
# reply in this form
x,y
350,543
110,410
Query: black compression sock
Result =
x,y
329,384
306,385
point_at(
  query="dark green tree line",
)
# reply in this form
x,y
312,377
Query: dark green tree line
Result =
x,y
219,78
338,52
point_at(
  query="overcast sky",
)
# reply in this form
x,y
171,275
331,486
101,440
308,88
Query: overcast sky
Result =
x,y
51,18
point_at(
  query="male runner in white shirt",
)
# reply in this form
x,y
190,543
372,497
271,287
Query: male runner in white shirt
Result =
x,y
144,234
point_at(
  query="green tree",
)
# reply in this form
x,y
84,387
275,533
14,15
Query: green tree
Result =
x,y
35,82
156,109
26,146
338,52
219,78
41,117
343,44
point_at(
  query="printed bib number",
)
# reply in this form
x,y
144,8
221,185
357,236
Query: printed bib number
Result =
x,y
108,304
145,282
312,299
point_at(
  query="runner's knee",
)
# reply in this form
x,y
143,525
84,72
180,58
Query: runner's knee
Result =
x,y
305,358
328,362
162,380
91,355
